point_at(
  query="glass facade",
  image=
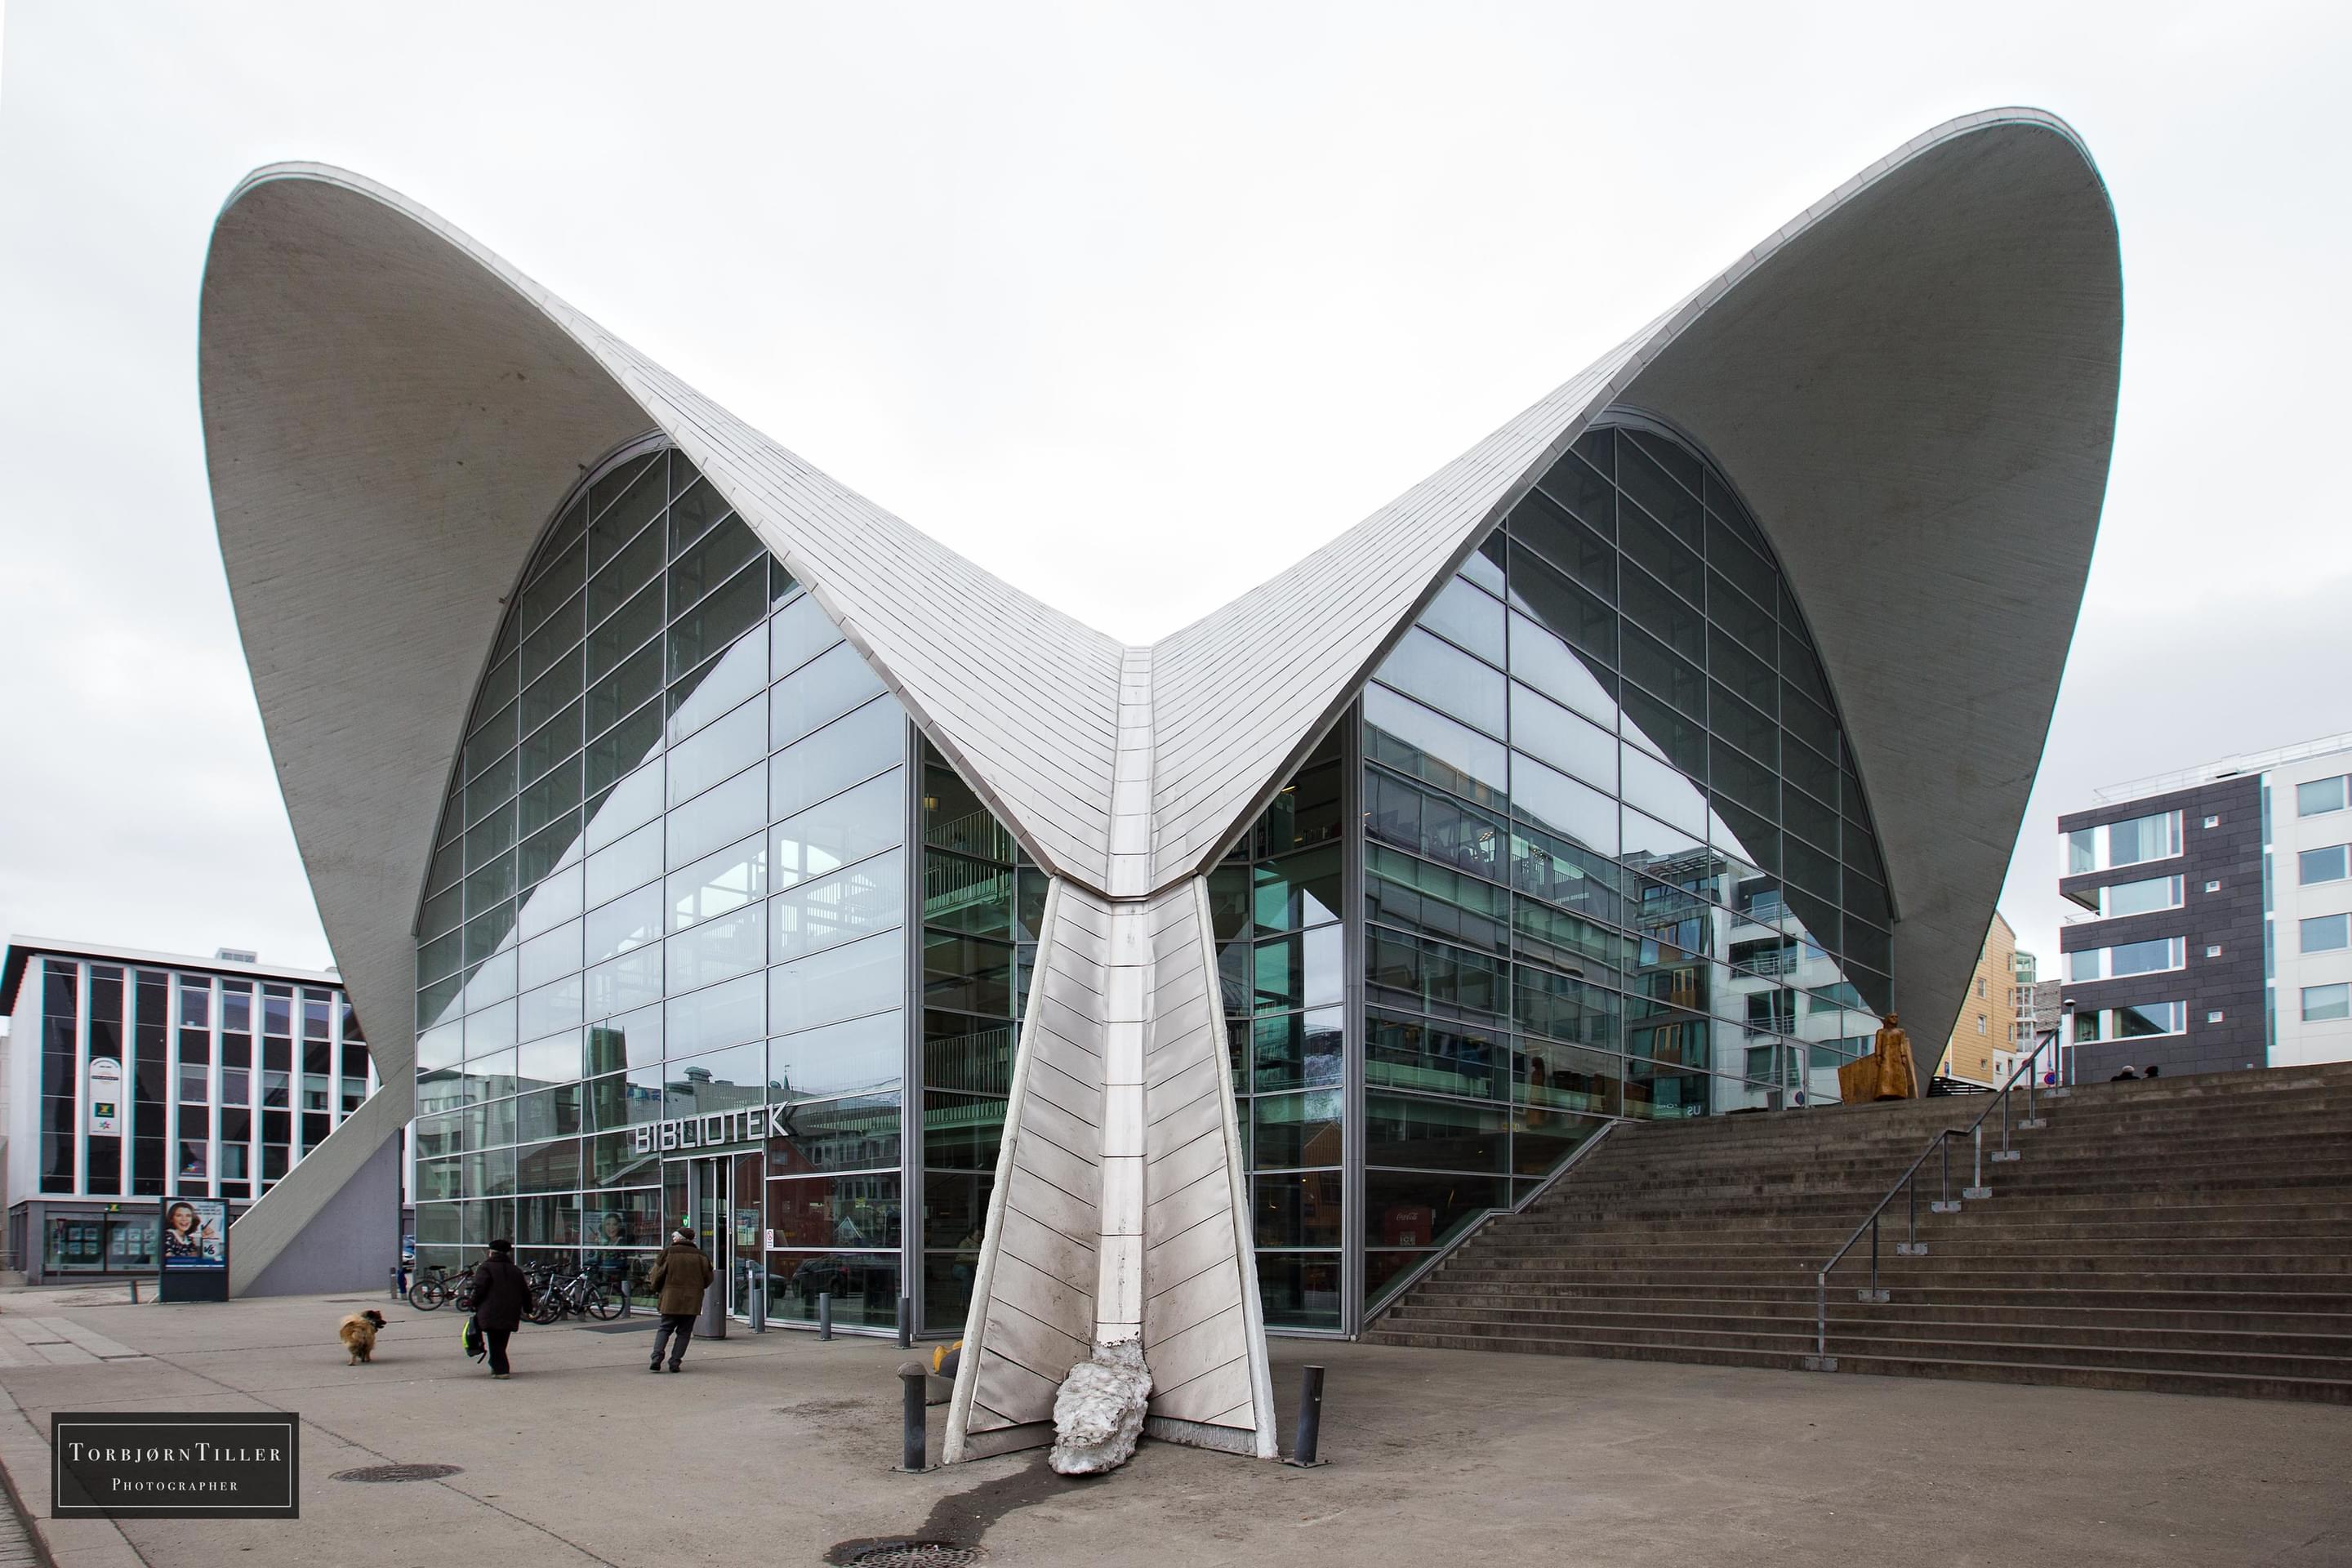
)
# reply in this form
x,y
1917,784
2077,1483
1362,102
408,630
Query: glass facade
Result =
x,y
671,885
1616,862
1589,846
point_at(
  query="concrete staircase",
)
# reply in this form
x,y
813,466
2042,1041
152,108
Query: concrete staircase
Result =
x,y
2189,1235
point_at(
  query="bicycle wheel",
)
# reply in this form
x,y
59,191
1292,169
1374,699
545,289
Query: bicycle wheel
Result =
x,y
546,1309
601,1306
426,1294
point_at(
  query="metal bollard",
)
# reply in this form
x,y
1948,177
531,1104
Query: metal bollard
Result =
x,y
134,1292
755,1289
824,1314
395,1272
1310,1419
905,1323
914,1446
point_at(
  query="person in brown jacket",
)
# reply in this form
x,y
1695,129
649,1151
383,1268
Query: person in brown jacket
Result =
x,y
682,1275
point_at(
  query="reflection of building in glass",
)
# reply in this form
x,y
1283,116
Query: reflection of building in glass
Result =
x,y
1349,911
137,1075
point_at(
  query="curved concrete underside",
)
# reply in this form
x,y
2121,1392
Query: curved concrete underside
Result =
x,y
1913,383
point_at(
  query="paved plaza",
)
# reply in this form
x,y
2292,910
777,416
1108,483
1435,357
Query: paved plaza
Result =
x,y
776,1448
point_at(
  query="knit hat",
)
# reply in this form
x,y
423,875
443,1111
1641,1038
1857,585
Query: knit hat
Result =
x,y
501,1244
683,1233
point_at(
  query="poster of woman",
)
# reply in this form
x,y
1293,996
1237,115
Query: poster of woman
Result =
x,y
194,1233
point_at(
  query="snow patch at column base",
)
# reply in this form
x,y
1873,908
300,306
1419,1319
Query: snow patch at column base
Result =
x,y
1098,1414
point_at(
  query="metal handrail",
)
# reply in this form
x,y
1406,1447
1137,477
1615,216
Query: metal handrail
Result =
x,y
1907,1183
1474,1222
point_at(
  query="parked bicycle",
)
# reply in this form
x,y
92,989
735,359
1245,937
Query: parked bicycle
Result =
x,y
437,1283
577,1295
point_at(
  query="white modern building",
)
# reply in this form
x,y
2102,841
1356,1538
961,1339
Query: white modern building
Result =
x,y
2309,931
701,838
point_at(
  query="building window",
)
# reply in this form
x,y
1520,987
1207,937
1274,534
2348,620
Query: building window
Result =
x,y
2128,843
2213,887
1981,1023
2323,1003
2213,1017
2213,949
2131,1023
2327,933
1981,986
2151,957
2321,864
2212,822
2321,796
2145,896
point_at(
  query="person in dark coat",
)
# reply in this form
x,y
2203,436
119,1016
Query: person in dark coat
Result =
x,y
501,1298
682,1275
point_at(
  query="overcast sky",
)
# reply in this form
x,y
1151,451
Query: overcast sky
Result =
x,y
1057,283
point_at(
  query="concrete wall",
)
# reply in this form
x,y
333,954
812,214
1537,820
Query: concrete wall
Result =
x,y
347,1244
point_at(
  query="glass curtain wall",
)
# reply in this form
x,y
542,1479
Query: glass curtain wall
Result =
x,y
670,881
1276,906
983,901
1616,858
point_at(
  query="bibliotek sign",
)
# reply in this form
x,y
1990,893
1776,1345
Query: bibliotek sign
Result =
x,y
168,1464
710,1132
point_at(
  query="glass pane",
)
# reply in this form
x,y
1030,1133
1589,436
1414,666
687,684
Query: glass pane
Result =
x,y
719,817
1435,1134
844,906
1468,618
848,827
846,751
855,1057
1406,735
719,619
819,691
1448,679
721,751
856,978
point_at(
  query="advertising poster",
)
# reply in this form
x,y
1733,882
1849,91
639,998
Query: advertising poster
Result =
x,y
195,1234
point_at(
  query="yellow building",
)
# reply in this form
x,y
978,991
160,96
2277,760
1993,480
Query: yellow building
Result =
x,y
1987,1011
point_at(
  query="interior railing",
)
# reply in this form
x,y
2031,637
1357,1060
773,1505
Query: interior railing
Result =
x,y
1907,1186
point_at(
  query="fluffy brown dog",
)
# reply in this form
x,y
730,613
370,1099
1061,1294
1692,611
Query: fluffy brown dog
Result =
x,y
357,1334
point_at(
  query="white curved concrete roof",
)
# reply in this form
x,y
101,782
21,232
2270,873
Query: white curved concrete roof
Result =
x,y
1912,381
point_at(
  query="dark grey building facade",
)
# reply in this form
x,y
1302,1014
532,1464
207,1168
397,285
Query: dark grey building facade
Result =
x,y
2166,966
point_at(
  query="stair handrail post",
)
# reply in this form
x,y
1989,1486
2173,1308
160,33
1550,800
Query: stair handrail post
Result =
x,y
1911,1191
1874,1255
1944,1150
1979,1139
1822,1314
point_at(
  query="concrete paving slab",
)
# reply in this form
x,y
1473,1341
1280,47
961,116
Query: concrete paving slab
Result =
x,y
776,1447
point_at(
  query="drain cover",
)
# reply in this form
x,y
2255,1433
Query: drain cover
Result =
x,y
910,1554
395,1473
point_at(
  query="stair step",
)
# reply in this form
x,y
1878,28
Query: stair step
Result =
x,y
2191,1234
